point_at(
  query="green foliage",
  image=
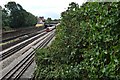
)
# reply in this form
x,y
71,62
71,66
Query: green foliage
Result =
x,y
48,20
5,18
87,44
30,19
15,16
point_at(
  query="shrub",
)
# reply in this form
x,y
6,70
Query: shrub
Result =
x,y
87,44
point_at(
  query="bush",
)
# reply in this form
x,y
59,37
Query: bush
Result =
x,y
87,44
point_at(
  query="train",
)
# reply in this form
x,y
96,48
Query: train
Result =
x,y
41,24
50,28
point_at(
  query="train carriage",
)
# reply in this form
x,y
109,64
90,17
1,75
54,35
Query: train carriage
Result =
x,y
39,24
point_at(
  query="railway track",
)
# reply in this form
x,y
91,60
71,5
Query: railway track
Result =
x,y
17,39
8,52
7,36
19,66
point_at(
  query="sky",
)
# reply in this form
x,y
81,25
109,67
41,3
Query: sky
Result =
x,y
46,8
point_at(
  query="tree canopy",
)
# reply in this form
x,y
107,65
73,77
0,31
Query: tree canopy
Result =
x,y
15,16
86,47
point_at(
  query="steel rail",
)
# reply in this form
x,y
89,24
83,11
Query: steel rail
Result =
x,y
17,36
17,40
7,75
17,76
6,53
23,50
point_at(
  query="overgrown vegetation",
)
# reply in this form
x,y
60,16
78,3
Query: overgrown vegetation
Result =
x,y
87,45
14,16
49,20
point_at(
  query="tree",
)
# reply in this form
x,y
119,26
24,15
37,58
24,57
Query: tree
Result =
x,y
30,19
5,18
86,47
19,17
48,21
0,8
16,14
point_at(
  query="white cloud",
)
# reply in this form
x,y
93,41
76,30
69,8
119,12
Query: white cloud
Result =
x,y
47,8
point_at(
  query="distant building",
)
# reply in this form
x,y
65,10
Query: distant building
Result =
x,y
40,22
41,19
